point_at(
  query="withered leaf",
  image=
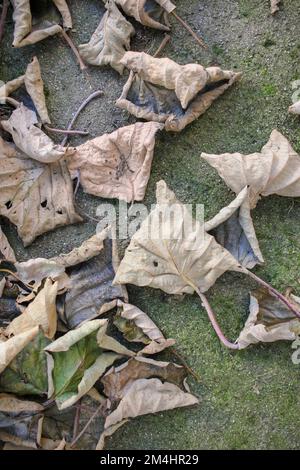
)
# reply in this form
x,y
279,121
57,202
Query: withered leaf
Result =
x,y
276,170
233,229
26,373
269,320
10,348
162,90
6,251
35,197
20,421
117,165
28,31
275,6
295,108
110,41
151,13
78,359
162,256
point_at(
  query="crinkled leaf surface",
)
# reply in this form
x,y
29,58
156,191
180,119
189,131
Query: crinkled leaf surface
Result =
x,y
164,256
275,6
276,170
35,87
26,374
35,197
151,13
233,229
161,90
117,165
110,41
269,320
6,251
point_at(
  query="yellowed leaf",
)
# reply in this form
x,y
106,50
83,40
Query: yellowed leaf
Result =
x,y
152,14
10,348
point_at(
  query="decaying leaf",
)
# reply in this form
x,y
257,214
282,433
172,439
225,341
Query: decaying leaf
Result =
x,y
136,326
161,90
36,197
29,30
40,312
26,373
269,320
233,229
151,13
275,6
295,108
163,256
10,348
20,421
78,359
6,251
276,170
30,139
117,165
110,41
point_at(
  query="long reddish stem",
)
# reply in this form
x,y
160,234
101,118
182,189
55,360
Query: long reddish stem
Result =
x,y
74,49
3,17
275,292
189,29
214,322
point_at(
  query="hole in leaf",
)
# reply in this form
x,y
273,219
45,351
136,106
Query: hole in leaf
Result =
x,y
8,205
44,203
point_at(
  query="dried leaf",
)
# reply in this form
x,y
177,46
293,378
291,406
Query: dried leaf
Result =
x,y
276,170
40,312
30,139
78,359
295,108
20,421
275,6
35,87
161,90
12,347
161,256
151,13
269,320
110,41
26,373
108,433
34,196
11,86
28,31
6,251
233,229
117,165
136,326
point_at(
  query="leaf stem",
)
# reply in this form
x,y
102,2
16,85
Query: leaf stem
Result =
x,y
214,322
189,29
185,364
64,131
163,44
87,425
3,17
74,49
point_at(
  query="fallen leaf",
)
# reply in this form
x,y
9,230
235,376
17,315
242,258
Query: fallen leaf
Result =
x,y
12,347
276,170
233,228
295,108
35,197
28,31
117,165
108,433
20,421
6,251
163,91
40,312
110,41
136,326
78,359
153,13
26,371
35,87
11,86
269,320
275,6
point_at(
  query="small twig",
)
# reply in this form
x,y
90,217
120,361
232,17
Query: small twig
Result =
x,y
65,131
81,107
189,29
165,41
77,419
185,364
86,426
74,49
5,5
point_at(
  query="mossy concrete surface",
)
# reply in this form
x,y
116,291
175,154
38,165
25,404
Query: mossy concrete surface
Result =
x,y
248,399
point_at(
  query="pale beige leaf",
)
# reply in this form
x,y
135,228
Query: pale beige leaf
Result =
x,y
152,14
63,8
108,433
35,87
275,6
295,108
276,170
117,165
110,41
40,312
233,228
6,251
269,320
10,348
34,196
164,256
163,91
10,87
30,139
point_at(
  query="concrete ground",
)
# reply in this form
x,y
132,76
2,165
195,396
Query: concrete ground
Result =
x,y
249,399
